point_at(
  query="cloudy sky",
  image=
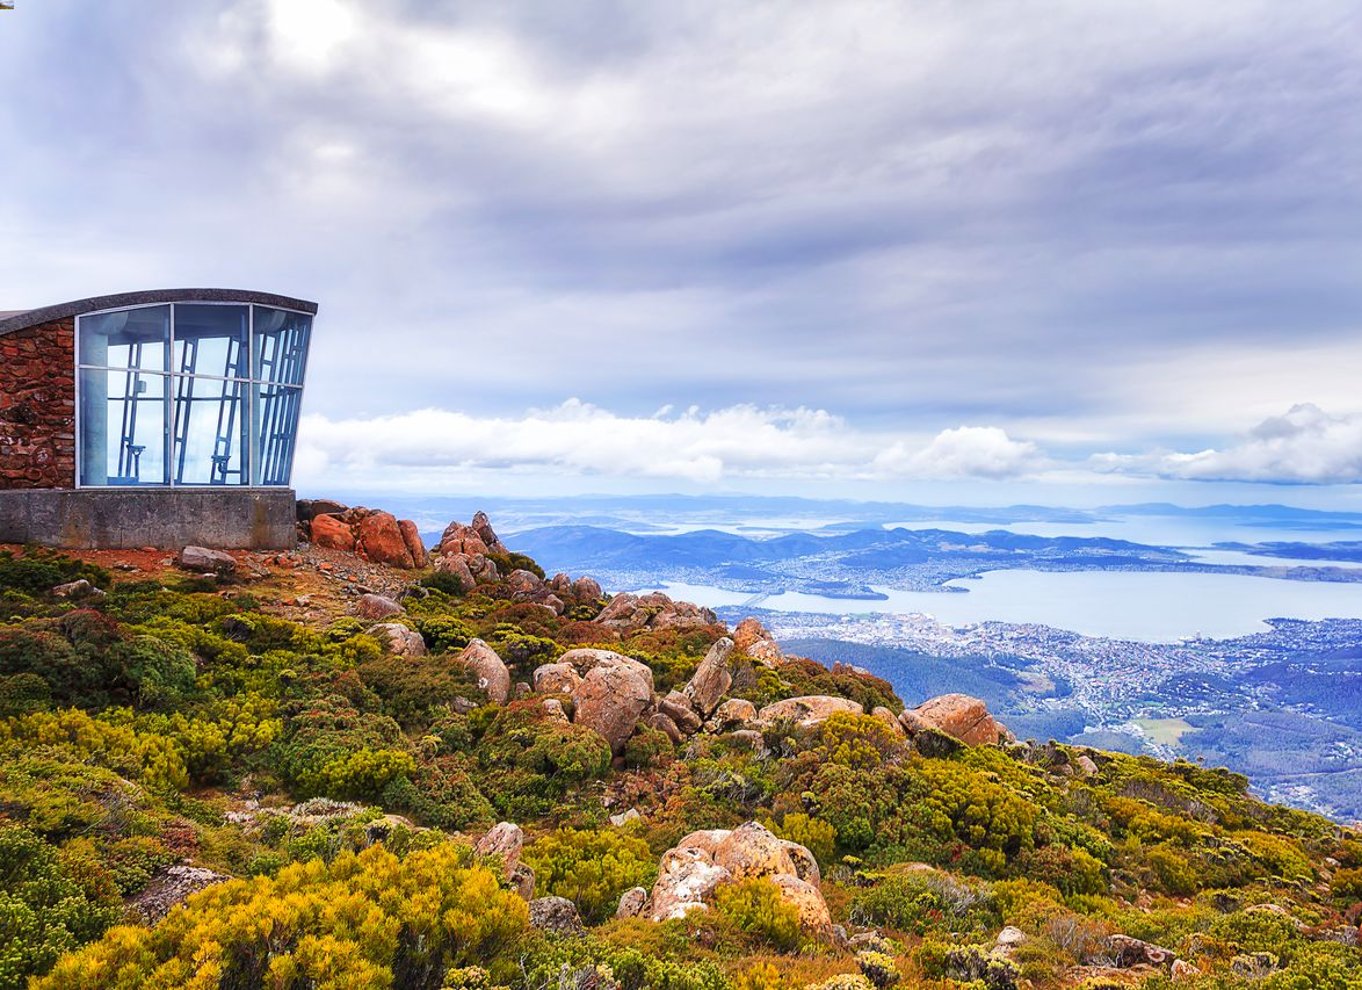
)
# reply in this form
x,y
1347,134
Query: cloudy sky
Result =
x,y
993,251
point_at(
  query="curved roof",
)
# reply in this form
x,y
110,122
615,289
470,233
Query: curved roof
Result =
x,y
12,321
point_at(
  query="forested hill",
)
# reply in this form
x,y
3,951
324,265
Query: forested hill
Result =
x,y
362,765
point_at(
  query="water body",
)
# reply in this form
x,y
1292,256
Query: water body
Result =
x,y
1153,607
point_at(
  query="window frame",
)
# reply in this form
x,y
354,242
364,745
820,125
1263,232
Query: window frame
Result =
x,y
252,387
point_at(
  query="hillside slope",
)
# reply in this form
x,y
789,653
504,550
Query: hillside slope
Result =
x,y
461,773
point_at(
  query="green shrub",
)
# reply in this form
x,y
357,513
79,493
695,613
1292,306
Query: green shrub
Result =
x,y
591,868
756,908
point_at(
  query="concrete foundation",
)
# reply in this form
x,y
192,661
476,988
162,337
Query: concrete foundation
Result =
x,y
93,518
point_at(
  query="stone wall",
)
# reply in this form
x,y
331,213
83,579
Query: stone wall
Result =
x,y
38,407
122,518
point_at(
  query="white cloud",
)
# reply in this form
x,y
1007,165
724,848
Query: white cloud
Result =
x,y
576,438
1305,446
964,452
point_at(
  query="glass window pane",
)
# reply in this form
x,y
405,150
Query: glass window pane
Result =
x,y
211,340
123,428
276,411
211,431
127,338
281,340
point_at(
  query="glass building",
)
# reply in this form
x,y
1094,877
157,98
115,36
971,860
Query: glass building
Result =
x,y
189,392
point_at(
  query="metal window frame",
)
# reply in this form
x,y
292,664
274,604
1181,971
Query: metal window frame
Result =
x,y
249,405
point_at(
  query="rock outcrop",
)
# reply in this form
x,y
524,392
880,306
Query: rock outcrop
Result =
x,y
958,716
628,613
555,914
756,641
690,873
378,536
556,678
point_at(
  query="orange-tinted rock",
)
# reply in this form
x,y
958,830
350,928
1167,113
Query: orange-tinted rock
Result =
x,y
961,717
612,696
492,673
328,531
381,539
808,710
411,537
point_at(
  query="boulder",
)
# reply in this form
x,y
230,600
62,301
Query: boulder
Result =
x,y
380,537
627,613
482,526
561,583
587,589
633,903
677,707
80,588
701,861
809,710
756,641
889,718
522,582
555,709
584,659
168,888
411,537
612,696
1183,971
375,608
457,564
1009,938
504,839
400,640
807,899
202,560
959,716
328,531
493,675
686,880
751,850
308,509
1086,766
556,678
662,723
624,818
712,679
733,713
555,914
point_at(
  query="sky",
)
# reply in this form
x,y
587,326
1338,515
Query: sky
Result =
x,y
1072,252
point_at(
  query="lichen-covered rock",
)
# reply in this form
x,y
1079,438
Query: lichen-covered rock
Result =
x,y
555,914
556,678
756,641
375,608
809,710
662,723
400,640
504,839
627,613
686,880
168,888
493,675
959,716
1128,951
704,859
522,880
612,696
711,680
633,903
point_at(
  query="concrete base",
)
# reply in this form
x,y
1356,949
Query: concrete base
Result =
x,y
123,518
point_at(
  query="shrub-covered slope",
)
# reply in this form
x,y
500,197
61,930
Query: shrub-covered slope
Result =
x,y
338,776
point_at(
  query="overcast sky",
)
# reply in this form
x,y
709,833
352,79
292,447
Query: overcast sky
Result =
x,y
987,250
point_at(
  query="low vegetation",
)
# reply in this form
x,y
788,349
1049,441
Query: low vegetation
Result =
x,y
338,789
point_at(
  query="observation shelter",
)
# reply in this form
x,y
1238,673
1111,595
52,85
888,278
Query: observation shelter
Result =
x,y
159,418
